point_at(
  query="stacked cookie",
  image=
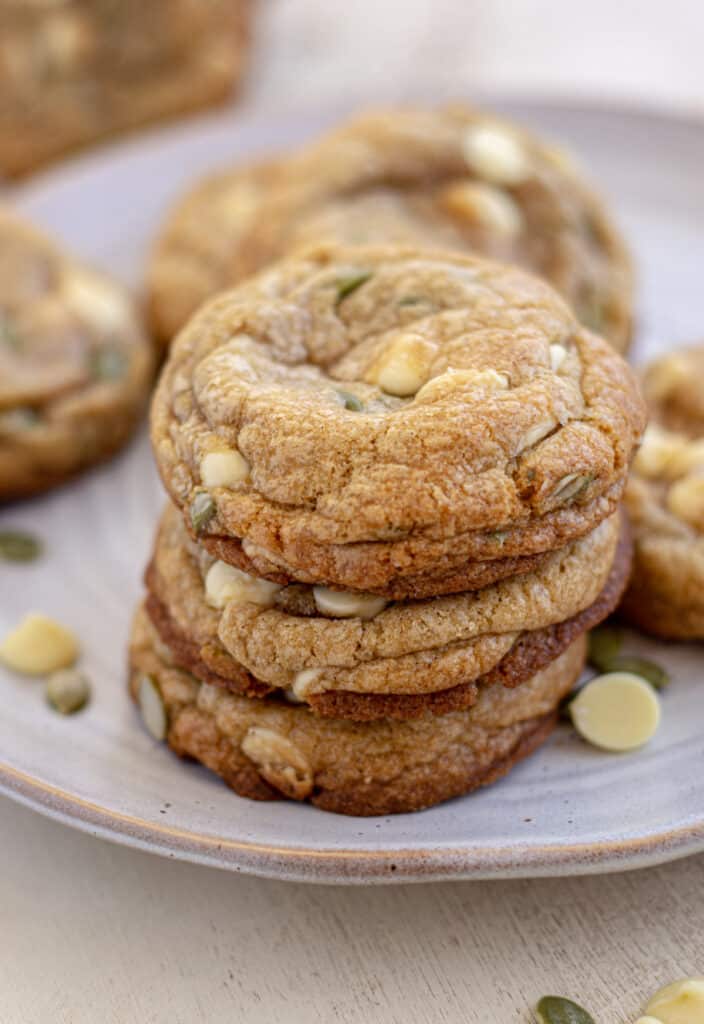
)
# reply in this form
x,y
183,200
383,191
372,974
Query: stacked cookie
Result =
x,y
453,177
395,478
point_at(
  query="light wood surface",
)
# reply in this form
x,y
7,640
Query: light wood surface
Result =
x,y
96,933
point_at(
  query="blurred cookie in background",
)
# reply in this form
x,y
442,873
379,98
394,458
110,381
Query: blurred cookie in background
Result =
x,y
75,363
76,71
455,178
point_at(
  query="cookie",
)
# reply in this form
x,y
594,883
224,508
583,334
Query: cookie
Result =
x,y
338,434
402,658
267,749
672,386
665,500
76,72
452,178
75,364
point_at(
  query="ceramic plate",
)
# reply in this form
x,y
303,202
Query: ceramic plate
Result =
x,y
569,809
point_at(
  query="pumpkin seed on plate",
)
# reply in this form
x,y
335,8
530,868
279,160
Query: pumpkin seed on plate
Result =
x,y
18,546
558,1010
202,511
349,284
67,691
654,674
604,645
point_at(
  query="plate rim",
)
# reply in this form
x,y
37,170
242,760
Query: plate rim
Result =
x,y
345,865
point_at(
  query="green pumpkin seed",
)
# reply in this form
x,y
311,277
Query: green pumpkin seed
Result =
x,y
202,511
67,691
604,645
412,300
108,363
17,546
349,284
650,671
350,401
558,1010
22,418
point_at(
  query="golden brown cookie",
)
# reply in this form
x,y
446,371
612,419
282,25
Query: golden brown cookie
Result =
x,y
75,364
665,501
256,637
452,178
82,70
672,385
267,749
338,434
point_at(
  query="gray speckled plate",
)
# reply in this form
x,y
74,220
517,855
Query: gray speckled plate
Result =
x,y
568,810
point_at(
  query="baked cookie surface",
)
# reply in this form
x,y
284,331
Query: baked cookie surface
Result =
x,y
372,659
452,178
354,417
665,501
268,749
75,364
82,70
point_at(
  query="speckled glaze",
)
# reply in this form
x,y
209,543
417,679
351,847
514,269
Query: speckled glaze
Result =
x,y
570,809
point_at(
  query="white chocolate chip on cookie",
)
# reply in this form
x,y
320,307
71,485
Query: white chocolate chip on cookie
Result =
x,y
496,155
225,583
223,468
343,604
39,645
485,206
449,383
558,354
279,761
96,300
303,682
405,366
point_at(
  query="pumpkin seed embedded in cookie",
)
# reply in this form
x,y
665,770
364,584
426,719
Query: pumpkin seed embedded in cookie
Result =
x,y
202,511
350,283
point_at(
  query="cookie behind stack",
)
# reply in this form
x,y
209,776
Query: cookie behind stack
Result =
x,y
395,477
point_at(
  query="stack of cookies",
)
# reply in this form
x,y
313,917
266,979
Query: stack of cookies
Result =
x,y
395,477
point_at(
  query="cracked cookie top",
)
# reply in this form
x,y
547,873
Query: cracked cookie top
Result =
x,y
392,405
453,178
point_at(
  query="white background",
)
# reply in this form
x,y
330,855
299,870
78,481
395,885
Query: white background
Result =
x,y
93,932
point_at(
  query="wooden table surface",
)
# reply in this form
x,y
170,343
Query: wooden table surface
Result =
x,y
97,933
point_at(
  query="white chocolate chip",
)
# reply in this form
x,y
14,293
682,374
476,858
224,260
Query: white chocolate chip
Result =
x,y
225,583
279,761
558,354
223,468
496,155
659,451
665,375
96,300
648,1020
151,706
39,645
535,434
682,1002
618,711
344,604
485,206
303,682
685,499
405,366
452,381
